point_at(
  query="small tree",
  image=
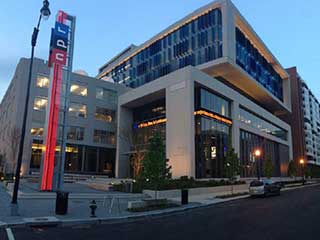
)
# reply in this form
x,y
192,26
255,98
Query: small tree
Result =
x,y
292,169
155,164
268,167
137,150
232,163
13,139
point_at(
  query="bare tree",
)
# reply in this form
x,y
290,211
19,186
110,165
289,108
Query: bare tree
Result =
x,y
13,140
137,151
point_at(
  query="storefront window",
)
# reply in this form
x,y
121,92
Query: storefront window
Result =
x,y
211,146
36,154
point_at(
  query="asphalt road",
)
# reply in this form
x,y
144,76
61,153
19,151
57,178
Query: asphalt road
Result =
x,y
293,215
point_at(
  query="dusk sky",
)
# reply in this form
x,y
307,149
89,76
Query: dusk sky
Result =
x,y
290,29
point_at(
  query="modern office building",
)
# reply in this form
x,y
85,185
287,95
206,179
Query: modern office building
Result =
x,y
91,137
204,80
305,120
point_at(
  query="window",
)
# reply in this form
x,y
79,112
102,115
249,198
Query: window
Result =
x,y
106,95
215,103
42,81
77,89
101,136
36,132
77,110
105,114
40,103
75,133
261,124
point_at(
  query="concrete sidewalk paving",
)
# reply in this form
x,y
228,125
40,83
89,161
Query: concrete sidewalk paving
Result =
x,y
41,212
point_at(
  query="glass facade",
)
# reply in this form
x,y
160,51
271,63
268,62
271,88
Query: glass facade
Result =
x,y
211,146
147,120
36,154
214,103
212,135
80,159
253,62
194,43
278,153
261,124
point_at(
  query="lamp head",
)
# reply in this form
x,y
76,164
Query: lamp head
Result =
x,y
45,11
257,153
301,161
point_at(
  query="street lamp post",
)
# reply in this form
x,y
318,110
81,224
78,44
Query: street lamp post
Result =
x,y
257,154
302,170
44,13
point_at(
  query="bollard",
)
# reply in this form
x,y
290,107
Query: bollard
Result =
x,y
62,203
184,196
93,207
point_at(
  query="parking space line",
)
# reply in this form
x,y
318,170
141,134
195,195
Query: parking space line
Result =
x,y
9,234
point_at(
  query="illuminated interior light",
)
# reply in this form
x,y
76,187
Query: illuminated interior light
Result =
x,y
152,123
213,116
73,88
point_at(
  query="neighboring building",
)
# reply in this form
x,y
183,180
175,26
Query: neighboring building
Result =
x,y
305,120
203,80
91,128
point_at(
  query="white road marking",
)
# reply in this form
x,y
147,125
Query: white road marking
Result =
x,y
9,234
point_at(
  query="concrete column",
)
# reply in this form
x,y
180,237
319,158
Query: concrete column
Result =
x,y
228,30
180,132
83,158
235,127
124,128
97,160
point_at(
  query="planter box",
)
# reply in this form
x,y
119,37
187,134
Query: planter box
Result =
x,y
215,191
146,203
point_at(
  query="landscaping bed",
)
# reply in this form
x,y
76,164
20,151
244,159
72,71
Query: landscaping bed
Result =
x,y
233,195
171,184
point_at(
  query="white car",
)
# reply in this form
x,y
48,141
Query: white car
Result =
x,y
264,188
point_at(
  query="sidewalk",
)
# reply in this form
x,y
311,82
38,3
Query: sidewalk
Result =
x,y
40,211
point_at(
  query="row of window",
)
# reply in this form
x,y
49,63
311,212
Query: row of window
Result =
x,y
76,133
250,59
78,110
189,40
82,90
214,103
261,124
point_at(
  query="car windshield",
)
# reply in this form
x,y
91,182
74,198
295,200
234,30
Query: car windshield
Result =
x,y
267,181
256,183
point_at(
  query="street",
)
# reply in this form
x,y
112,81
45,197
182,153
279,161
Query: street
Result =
x,y
293,215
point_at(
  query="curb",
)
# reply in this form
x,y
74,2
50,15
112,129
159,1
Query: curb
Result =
x,y
33,222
